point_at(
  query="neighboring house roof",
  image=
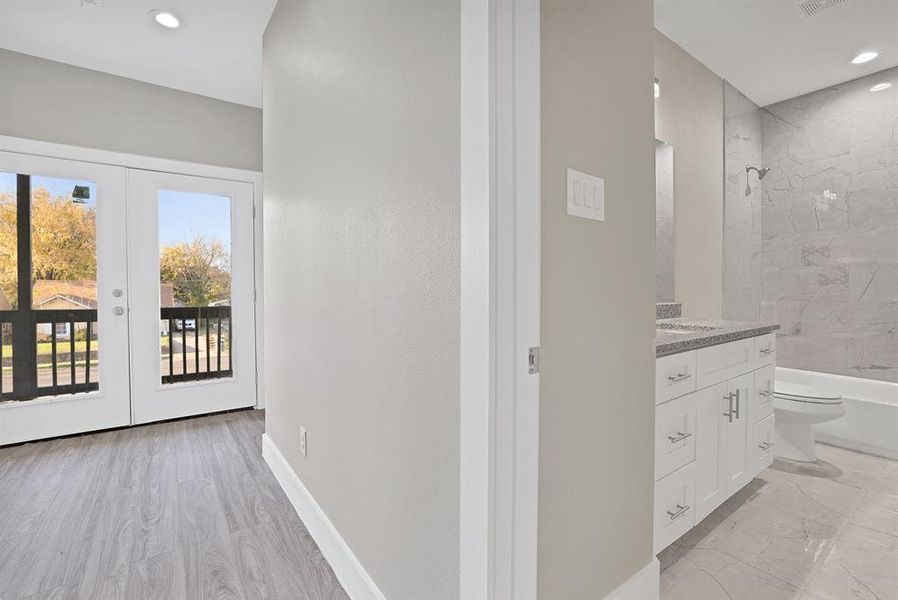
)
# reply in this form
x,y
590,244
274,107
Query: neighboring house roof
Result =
x,y
79,294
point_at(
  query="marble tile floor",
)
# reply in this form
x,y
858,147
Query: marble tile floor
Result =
x,y
799,531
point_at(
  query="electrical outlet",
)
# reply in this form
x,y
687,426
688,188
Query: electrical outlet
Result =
x,y
303,448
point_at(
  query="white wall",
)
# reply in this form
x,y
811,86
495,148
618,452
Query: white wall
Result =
x,y
597,300
54,102
362,208
689,116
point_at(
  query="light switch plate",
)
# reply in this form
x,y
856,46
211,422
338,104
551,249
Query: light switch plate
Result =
x,y
585,195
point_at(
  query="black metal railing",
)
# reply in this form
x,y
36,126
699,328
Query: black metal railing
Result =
x,y
65,369
210,357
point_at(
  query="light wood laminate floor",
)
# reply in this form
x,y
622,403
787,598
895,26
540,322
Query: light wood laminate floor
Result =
x,y
179,510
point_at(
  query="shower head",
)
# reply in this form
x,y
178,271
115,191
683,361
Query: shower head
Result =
x,y
762,173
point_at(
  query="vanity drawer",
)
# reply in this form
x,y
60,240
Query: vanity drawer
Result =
x,y
725,361
765,349
762,440
762,401
674,376
674,506
674,435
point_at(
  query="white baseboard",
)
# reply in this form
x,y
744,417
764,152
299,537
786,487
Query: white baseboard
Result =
x,y
645,584
349,571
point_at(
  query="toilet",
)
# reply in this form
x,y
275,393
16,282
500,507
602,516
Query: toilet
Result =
x,y
797,408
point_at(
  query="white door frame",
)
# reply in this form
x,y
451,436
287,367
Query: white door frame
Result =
x,y
500,260
164,165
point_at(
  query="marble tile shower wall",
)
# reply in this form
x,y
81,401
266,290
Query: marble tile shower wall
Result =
x,y
829,223
742,207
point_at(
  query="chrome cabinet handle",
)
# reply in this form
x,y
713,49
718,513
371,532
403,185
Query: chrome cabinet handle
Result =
x,y
681,435
736,412
765,445
118,311
766,351
765,393
729,413
679,377
676,514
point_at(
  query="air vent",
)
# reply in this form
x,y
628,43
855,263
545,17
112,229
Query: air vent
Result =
x,y
812,7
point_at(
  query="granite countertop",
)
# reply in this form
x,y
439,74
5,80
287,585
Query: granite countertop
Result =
x,y
689,334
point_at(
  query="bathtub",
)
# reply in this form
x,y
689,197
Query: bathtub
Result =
x,y
870,423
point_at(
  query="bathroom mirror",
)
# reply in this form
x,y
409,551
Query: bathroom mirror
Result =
x,y
664,222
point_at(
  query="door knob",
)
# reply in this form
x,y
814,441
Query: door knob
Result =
x,y
118,311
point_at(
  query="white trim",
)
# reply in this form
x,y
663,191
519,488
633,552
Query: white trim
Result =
x,y
123,159
476,339
643,585
349,571
517,275
500,279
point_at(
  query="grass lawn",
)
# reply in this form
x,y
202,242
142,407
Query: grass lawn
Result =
x,y
46,348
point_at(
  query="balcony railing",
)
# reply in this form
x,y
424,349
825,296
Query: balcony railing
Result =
x,y
210,357
57,365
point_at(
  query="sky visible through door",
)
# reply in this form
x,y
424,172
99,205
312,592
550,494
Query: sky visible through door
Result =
x,y
195,285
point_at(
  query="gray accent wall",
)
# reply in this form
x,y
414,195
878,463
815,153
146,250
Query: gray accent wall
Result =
x,y
362,258
55,102
830,228
597,300
743,193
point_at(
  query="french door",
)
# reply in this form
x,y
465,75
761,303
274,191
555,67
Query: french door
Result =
x,y
190,267
63,298
126,296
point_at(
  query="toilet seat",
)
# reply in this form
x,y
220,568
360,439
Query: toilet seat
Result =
x,y
797,392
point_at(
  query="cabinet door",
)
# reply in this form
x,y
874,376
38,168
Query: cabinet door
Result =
x,y
737,455
710,478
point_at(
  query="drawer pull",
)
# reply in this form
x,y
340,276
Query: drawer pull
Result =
x,y
765,393
681,435
766,351
676,514
679,377
765,445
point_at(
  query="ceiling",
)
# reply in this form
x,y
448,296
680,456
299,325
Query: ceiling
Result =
x,y
770,50
217,51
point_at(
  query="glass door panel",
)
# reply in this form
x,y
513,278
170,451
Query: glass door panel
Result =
x,y
194,285
191,268
62,288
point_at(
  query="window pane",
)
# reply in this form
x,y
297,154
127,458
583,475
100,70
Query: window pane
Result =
x,y
8,243
63,244
195,285
64,278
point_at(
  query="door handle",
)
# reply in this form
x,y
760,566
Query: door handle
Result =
x,y
679,437
729,413
676,514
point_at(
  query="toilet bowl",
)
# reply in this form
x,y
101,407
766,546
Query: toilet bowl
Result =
x,y
797,407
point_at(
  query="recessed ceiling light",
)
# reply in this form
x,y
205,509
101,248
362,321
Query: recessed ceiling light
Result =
x,y
166,19
864,57
881,86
